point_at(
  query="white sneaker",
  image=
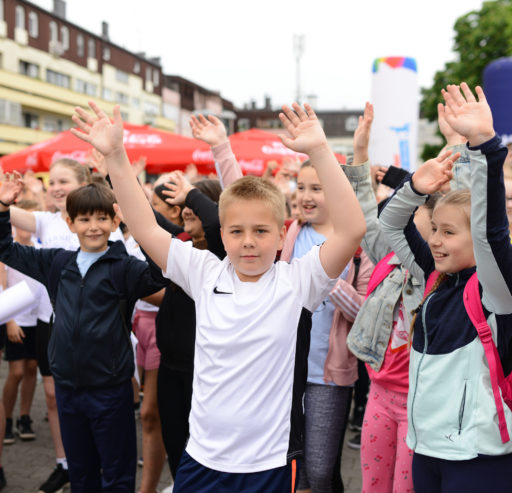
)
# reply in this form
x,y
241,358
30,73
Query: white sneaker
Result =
x,y
168,489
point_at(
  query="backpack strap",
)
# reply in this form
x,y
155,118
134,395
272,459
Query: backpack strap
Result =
x,y
59,261
118,276
473,305
380,272
432,278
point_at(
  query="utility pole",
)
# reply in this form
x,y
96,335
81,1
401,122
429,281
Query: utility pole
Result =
x,y
298,49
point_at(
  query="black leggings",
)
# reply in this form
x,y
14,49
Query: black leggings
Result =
x,y
174,390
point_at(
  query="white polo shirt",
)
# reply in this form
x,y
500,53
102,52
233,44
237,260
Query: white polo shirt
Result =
x,y
250,357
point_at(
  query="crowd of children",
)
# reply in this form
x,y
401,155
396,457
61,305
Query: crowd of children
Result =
x,y
257,304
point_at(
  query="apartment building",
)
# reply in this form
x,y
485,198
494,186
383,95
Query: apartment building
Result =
x,y
49,65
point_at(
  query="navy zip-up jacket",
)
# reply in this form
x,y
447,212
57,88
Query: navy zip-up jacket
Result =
x,y
451,409
89,347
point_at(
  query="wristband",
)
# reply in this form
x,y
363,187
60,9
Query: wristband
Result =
x,y
6,205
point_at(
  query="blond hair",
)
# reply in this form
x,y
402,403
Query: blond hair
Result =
x,y
460,198
254,188
81,172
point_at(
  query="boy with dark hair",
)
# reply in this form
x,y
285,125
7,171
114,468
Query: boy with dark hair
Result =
x,y
90,353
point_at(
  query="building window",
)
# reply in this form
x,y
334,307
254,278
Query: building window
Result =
x,y
125,116
107,94
122,98
64,35
33,25
80,45
58,79
150,108
148,74
91,48
156,78
136,102
2,16
30,120
86,87
29,69
106,54
54,32
136,67
20,17
122,76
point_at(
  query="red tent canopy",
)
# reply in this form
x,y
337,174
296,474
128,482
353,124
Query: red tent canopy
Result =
x,y
164,151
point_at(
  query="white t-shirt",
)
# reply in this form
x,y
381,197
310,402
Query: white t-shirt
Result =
x,y
248,345
29,317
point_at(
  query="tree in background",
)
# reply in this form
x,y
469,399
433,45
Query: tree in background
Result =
x,y
480,37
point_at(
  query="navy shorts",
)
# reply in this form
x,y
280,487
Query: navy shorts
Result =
x,y
193,477
15,351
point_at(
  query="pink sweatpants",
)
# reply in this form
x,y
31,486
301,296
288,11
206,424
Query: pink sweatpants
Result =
x,y
386,461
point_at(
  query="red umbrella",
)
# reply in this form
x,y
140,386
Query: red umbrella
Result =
x,y
164,151
254,148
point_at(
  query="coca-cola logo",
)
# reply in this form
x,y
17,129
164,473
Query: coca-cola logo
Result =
x,y
79,156
280,149
141,139
202,157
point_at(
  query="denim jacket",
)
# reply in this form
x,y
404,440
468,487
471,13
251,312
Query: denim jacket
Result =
x,y
369,336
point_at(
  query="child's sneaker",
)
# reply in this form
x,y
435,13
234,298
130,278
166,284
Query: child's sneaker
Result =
x,y
24,428
355,442
56,482
9,437
3,482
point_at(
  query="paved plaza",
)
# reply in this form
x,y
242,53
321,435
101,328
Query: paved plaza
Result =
x,y
28,464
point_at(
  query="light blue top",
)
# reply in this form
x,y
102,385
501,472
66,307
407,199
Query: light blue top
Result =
x,y
85,259
322,317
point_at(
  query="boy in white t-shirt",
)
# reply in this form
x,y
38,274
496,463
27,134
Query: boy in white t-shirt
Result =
x,y
252,315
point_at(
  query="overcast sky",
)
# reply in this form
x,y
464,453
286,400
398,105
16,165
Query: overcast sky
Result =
x,y
244,49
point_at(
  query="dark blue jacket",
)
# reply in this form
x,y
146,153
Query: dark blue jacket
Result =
x,y
89,347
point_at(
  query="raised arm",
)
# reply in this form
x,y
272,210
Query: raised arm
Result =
x,y
212,131
344,211
472,118
374,243
107,138
397,217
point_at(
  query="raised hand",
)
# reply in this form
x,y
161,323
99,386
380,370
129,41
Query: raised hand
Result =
x,y
434,173
178,188
11,187
467,116
451,136
98,130
362,135
307,135
97,160
139,166
211,130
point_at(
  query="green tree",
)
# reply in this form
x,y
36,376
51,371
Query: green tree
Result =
x,y
480,37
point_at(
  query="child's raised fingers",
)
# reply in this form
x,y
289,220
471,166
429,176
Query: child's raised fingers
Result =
x,y
310,111
203,120
84,115
300,112
468,94
454,91
290,115
480,93
97,110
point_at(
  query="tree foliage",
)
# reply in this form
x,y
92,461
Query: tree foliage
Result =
x,y
480,37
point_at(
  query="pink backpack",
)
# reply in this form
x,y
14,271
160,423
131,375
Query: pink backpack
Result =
x,y
474,309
